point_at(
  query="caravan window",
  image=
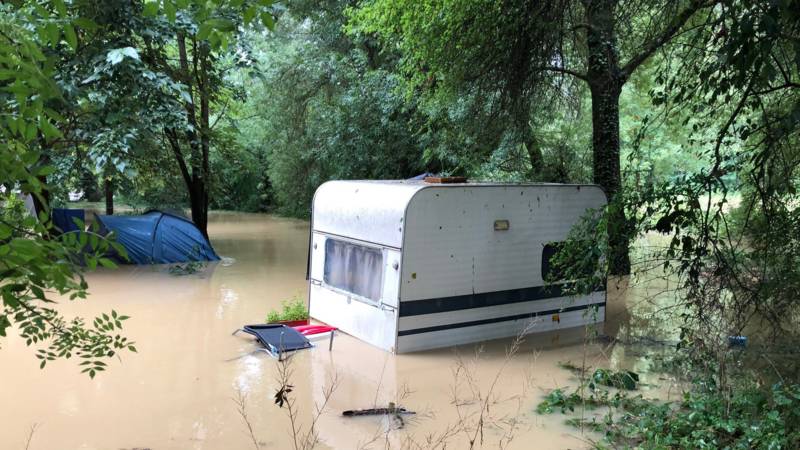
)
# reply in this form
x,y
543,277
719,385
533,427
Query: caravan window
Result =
x,y
549,273
354,268
582,267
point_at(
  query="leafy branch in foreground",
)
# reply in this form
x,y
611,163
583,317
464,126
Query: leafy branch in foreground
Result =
x,y
36,264
36,261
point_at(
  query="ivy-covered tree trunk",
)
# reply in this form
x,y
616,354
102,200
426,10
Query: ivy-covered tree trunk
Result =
x,y
606,78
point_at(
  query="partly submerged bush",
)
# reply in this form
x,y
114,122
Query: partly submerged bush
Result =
x,y
294,309
754,418
751,417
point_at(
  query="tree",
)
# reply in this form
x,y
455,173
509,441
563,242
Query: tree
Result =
x,y
520,51
193,48
320,107
105,99
739,83
154,74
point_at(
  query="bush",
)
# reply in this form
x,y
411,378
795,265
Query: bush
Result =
x,y
749,417
294,309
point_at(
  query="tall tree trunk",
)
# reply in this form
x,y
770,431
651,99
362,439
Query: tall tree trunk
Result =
x,y
205,132
199,208
606,79
198,145
109,188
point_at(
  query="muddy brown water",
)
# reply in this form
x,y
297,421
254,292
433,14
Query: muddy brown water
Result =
x,y
179,390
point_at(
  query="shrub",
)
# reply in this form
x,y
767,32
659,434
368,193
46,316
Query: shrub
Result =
x,y
293,309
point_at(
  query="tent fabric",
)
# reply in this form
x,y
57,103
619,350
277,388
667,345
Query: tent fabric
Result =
x,y
420,177
62,219
159,238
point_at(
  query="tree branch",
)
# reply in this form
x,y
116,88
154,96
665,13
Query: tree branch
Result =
x,y
668,33
563,70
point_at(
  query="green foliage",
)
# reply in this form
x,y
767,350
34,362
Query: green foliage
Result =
x,y
191,267
580,259
753,419
749,416
322,106
558,399
293,309
485,106
34,261
621,380
588,396
731,224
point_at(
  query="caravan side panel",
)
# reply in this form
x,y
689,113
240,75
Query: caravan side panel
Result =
x,y
367,322
465,278
371,318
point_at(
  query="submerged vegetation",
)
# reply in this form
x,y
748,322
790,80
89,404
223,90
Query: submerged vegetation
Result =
x,y
753,416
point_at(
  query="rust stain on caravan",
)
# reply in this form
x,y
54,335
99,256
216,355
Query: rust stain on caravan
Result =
x,y
177,392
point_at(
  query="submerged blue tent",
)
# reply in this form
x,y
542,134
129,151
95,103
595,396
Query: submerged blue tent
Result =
x,y
158,238
63,219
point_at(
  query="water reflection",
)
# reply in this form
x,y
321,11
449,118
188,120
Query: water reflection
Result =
x,y
227,297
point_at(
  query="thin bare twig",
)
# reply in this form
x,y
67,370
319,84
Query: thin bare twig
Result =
x,y
241,408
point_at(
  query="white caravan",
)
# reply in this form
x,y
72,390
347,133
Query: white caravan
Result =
x,y
411,265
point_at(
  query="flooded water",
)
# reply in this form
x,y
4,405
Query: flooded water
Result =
x,y
185,387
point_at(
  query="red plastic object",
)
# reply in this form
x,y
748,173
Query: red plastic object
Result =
x,y
307,330
293,323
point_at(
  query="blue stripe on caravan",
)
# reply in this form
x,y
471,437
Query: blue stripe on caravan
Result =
x,y
469,301
498,319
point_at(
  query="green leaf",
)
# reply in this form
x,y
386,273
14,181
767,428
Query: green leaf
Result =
x,y
49,131
86,24
105,262
53,33
249,14
169,10
203,31
45,171
30,131
60,7
116,55
268,20
70,36
150,9
4,324
221,24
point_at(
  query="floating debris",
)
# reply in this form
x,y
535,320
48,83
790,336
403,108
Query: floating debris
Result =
x,y
391,409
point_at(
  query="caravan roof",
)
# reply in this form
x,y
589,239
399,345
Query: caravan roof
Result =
x,y
374,210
